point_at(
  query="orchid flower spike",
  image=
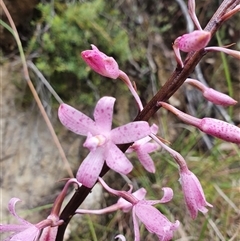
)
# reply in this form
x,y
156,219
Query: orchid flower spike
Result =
x,y
108,67
210,126
212,95
193,41
143,147
193,193
153,220
101,140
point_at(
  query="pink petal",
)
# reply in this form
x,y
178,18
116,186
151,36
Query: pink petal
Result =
x,y
135,225
76,121
193,193
146,159
143,141
90,168
29,234
103,113
117,161
49,234
13,227
155,222
167,196
140,193
11,208
126,206
130,132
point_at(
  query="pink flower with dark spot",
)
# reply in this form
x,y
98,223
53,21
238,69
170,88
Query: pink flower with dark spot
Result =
x,y
101,139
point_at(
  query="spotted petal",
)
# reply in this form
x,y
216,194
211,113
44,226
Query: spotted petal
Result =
x,y
155,221
145,158
126,206
130,132
91,167
76,121
11,208
103,113
29,234
117,161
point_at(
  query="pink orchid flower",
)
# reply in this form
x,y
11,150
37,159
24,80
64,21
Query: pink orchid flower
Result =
x,y
142,148
45,230
210,126
101,140
192,189
154,221
193,193
23,231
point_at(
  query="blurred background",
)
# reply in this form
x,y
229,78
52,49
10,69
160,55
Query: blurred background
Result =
x,y
139,35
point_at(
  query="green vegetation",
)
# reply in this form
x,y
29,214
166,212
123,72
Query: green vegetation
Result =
x,y
66,30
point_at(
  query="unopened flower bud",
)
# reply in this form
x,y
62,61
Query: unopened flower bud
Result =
x,y
210,126
212,95
218,98
101,63
193,41
220,129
